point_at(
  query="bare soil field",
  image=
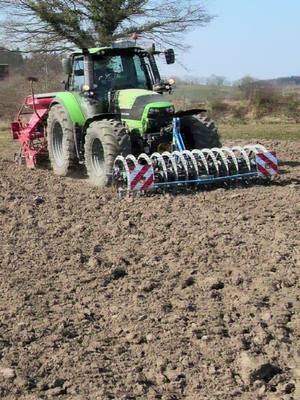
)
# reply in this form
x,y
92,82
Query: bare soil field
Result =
x,y
165,297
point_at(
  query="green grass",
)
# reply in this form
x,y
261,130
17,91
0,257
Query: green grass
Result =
x,y
202,93
278,131
4,126
7,145
245,132
5,136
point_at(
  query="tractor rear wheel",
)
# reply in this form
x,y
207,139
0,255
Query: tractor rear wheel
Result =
x,y
199,132
104,141
61,146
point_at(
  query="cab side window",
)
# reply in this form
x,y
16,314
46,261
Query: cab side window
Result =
x,y
78,74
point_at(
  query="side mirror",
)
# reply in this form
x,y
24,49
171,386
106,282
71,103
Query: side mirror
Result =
x,y
170,56
67,65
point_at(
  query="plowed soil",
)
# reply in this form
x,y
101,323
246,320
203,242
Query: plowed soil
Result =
x,y
168,297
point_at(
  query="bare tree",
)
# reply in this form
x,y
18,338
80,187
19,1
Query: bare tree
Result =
x,y
216,80
247,86
57,25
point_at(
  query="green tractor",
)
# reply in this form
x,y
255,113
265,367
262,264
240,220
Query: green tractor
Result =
x,y
113,118
113,104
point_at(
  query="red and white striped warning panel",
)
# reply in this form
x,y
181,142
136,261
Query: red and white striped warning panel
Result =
x,y
267,163
141,177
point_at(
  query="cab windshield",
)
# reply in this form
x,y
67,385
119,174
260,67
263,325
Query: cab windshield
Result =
x,y
120,72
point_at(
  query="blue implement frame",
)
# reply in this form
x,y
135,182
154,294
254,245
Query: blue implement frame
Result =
x,y
177,138
179,145
209,180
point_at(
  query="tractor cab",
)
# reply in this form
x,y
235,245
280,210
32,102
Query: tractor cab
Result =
x,y
122,80
100,72
109,72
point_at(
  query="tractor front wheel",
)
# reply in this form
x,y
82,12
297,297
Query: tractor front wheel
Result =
x,y
199,132
104,141
60,139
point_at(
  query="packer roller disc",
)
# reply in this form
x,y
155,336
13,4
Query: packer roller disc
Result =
x,y
194,167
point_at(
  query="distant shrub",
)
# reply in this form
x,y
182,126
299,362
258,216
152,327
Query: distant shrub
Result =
x,y
182,103
216,80
239,112
247,87
11,94
219,108
292,106
266,100
16,88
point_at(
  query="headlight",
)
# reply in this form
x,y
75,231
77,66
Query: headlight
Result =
x,y
156,111
153,111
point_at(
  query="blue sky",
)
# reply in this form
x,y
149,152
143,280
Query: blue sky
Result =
x,y
256,37
260,38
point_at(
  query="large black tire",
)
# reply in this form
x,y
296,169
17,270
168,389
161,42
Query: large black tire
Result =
x,y
104,141
199,132
60,137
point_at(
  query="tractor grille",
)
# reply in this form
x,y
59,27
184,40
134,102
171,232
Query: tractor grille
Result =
x,y
161,119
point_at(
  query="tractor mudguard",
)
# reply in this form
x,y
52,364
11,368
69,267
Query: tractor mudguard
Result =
x,y
69,101
99,117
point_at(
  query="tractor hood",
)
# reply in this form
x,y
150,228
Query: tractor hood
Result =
x,y
134,104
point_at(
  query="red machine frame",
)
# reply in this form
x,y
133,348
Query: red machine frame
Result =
x,y
32,134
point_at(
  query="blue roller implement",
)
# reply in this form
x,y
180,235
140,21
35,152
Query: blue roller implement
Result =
x,y
183,168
